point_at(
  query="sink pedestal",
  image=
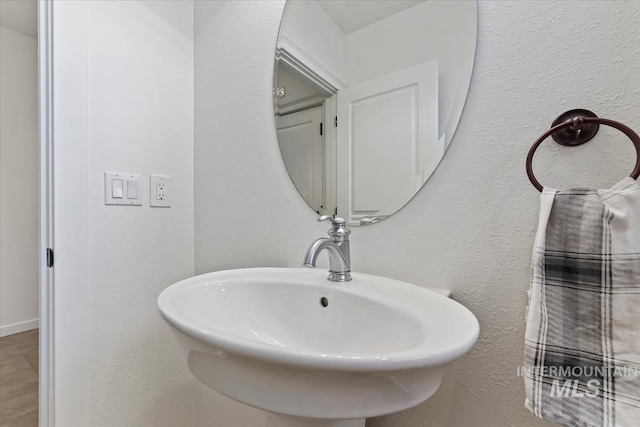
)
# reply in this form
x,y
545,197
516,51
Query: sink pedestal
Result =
x,y
277,420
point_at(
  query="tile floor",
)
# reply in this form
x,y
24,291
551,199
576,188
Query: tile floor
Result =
x,y
19,380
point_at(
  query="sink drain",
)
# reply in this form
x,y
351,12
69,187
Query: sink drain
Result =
x,y
324,302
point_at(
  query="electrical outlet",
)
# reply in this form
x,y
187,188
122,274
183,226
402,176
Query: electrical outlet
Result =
x,y
160,191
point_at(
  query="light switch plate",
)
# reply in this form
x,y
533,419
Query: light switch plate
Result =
x,y
121,194
160,191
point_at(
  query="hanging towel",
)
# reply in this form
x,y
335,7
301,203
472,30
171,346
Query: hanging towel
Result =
x,y
582,341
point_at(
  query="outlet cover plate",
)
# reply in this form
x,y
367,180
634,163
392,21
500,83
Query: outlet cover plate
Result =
x,y
159,191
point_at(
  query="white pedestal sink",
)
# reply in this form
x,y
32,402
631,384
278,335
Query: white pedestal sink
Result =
x,y
314,352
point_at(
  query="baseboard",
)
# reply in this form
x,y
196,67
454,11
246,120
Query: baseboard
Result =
x,y
16,328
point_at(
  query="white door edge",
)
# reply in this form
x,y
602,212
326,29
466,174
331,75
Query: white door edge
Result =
x,y
66,317
45,132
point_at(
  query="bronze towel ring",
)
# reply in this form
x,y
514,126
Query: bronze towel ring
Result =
x,y
576,127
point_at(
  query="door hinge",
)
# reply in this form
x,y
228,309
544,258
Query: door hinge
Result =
x,y
320,128
49,257
336,121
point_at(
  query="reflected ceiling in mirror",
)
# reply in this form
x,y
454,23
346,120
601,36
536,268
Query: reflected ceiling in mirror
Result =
x,y
367,96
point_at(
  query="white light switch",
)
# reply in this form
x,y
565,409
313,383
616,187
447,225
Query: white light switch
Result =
x,y
115,186
132,189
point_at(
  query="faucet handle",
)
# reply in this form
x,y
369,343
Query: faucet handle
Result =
x,y
339,231
335,221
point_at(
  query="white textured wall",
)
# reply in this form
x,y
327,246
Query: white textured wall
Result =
x,y
471,227
19,291
140,82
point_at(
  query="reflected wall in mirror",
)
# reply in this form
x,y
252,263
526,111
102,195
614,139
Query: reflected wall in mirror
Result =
x,y
367,96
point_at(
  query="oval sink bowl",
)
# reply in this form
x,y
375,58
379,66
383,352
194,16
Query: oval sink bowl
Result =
x,y
290,342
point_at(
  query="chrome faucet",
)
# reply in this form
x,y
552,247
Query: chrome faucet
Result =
x,y
338,247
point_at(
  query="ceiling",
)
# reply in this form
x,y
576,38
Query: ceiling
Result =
x,y
20,15
351,15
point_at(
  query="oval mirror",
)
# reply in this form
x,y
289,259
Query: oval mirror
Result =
x,y
367,96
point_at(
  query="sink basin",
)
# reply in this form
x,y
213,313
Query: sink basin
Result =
x,y
290,342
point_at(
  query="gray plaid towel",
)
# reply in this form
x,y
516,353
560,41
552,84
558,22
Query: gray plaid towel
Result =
x,y
582,342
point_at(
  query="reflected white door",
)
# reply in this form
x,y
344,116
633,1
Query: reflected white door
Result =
x,y
301,143
387,141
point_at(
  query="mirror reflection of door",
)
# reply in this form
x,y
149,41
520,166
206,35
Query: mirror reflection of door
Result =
x,y
301,144
387,142
305,120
